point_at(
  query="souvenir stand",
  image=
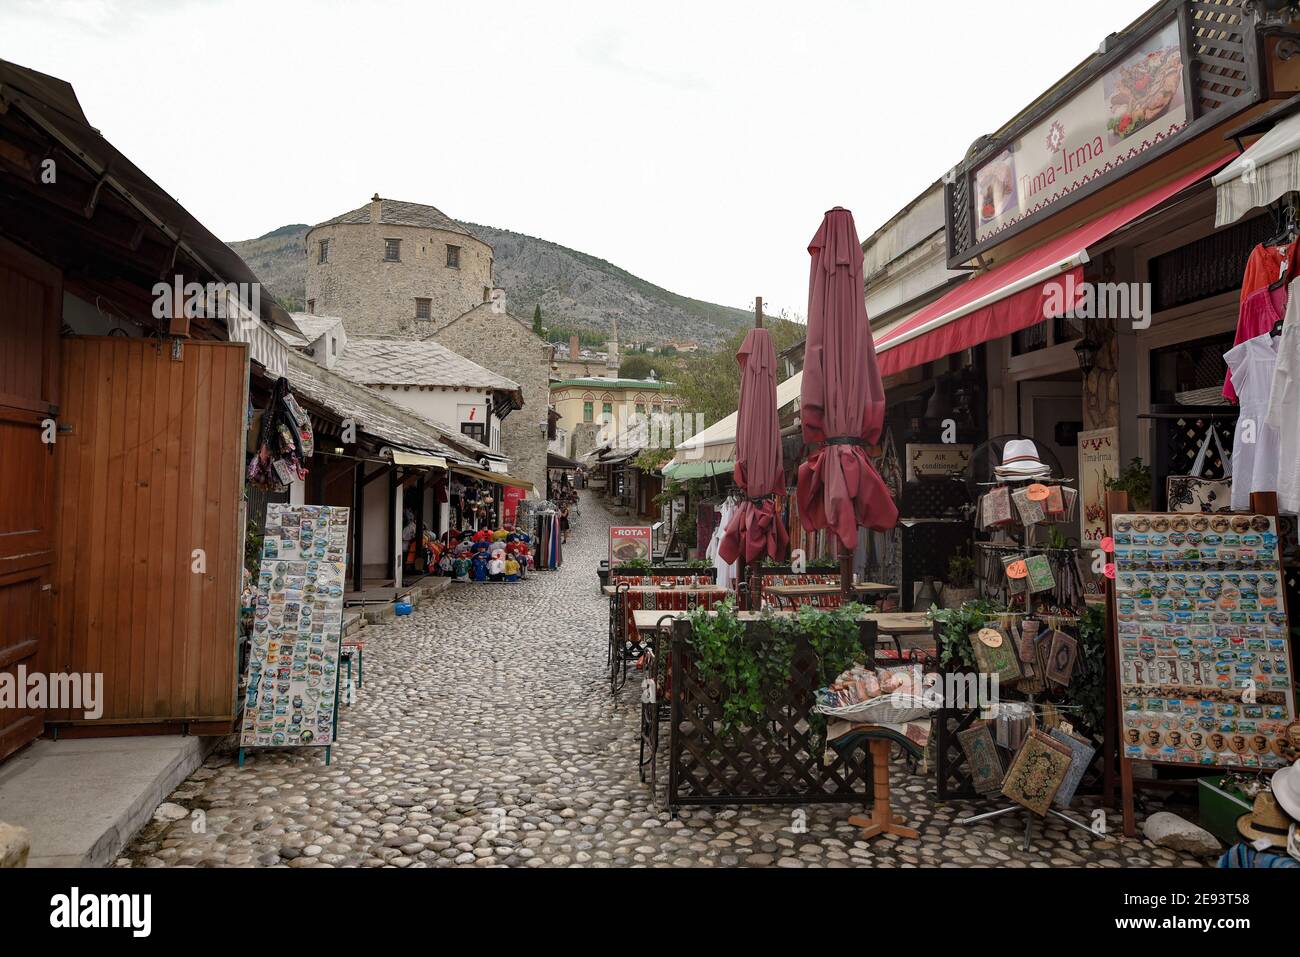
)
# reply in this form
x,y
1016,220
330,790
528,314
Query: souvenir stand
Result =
x,y
291,692
1201,646
282,441
1030,752
542,520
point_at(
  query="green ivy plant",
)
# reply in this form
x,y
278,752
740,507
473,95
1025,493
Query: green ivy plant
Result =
x,y
1087,689
751,665
955,628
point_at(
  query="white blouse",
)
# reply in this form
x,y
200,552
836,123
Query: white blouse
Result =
x,y
1255,447
1284,406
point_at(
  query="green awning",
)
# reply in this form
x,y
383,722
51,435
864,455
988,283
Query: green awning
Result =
x,y
685,471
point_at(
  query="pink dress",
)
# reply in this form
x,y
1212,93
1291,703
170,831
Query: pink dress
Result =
x,y
1260,312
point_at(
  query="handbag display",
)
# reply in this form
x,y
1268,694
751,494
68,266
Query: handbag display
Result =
x,y
1192,493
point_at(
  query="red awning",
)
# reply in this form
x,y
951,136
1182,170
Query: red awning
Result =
x,y
1014,295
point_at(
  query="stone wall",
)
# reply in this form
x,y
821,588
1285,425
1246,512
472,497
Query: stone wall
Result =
x,y
498,341
375,297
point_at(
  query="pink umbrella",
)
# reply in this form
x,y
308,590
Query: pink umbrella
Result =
x,y
842,402
755,529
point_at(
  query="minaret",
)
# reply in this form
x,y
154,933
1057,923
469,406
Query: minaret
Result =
x,y
611,353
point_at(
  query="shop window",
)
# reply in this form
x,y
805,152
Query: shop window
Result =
x,y
453,257
323,251
1029,340
1190,374
588,412
1208,267
423,308
392,250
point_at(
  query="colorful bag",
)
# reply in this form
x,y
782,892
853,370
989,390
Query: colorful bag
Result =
x,y
1192,493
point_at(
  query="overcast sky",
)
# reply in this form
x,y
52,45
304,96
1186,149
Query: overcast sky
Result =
x,y
695,144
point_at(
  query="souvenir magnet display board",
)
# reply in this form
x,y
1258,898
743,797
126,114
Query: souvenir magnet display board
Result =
x,y
292,688
1203,654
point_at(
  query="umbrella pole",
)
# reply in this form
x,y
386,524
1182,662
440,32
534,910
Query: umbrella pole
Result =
x,y
846,576
742,587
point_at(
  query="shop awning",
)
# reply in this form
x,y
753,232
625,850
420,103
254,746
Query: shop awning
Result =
x,y
685,471
411,458
717,443
556,461
1016,294
496,478
1267,171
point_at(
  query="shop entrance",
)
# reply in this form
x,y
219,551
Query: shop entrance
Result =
x,y
1051,413
31,302
150,478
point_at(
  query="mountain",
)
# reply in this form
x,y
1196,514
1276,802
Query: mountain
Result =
x,y
577,291
280,260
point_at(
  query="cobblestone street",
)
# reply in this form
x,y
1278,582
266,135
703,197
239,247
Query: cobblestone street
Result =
x,y
485,735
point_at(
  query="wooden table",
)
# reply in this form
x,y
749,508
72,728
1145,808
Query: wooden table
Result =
x,y
611,590
861,590
625,644
904,627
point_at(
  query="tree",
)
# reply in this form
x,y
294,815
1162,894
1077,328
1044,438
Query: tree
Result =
x,y
636,367
709,383
537,320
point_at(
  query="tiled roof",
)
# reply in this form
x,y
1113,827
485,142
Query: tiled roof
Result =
x,y
651,385
395,212
377,361
376,416
312,327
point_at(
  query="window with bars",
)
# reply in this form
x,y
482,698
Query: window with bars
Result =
x,y
423,308
392,250
323,251
453,257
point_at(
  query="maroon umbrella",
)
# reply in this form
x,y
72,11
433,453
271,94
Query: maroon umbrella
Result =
x,y
842,401
755,529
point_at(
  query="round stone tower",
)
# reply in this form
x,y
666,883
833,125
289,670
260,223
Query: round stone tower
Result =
x,y
395,268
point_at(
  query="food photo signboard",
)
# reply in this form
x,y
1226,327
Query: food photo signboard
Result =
x,y
291,696
628,543
1137,104
1203,640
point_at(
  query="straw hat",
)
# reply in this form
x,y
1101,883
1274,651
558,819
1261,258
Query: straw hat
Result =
x,y
1286,789
1266,822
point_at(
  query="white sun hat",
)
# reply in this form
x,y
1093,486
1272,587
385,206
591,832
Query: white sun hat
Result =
x,y
1286,788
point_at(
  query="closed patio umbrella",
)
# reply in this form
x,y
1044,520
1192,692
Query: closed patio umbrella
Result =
x,y
755,529
842,402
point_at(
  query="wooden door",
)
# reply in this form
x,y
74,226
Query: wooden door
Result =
x,y
31,298
149,485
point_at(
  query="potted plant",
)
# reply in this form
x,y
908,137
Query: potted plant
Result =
x,y
1136,479
960,587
